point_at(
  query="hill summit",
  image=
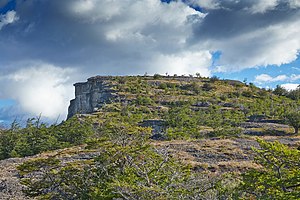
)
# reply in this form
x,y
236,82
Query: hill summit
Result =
x,y
161,137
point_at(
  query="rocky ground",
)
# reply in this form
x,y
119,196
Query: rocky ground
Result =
x,y
215,155
10,188
219,155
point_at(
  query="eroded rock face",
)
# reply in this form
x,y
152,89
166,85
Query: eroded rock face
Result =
x,y
91,95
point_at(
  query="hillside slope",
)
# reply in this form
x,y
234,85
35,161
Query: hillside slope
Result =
x,y
139,123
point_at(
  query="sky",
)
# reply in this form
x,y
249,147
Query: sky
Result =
x,y
48,45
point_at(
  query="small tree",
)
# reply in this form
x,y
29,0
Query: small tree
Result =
x,y
293,119
279,90
278,176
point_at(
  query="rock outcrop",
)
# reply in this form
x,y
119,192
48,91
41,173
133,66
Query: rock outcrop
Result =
x,y
91,95
10,187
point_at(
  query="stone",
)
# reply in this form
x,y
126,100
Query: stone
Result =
x,y
90,96
158,127
202,104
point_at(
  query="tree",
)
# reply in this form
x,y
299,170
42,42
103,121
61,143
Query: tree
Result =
x,y
8,140
293,119
294,94
214,79
127,167
278,177
279,90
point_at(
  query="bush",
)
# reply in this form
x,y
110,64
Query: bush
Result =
x,y
207,87
37,137
157,76
278,177
128,169
214,79
293,119
247,93
143,101
163,86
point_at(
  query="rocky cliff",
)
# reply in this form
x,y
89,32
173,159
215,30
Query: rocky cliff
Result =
x,y
91,95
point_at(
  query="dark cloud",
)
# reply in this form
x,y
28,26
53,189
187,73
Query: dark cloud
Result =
x,y
249,33
105,35
92,37
235,18
82,38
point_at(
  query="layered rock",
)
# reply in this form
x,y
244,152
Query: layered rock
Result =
x,y
91,95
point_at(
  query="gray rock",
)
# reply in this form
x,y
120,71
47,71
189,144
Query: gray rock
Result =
x,y
10,187
158,127
202,104
91,95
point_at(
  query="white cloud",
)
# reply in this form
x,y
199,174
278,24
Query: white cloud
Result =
x,y
100,37
97,37
273,45
185,63
207,4
265,78
103,36
8,18
264,5
251,38
294,3
40,89
290,86
295,77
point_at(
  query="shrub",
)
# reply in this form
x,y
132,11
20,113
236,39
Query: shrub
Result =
x,y
207,87
278,177
293,119
214,79
157,76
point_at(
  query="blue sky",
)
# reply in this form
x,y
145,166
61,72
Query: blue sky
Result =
x,y
47,45
252,74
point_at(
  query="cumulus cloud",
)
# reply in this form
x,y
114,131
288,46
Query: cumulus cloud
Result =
x,y
295,77
267,78
205,4
100,37
39,89
251,33
185,63
118,37
290,86
93,37
8,18
263,6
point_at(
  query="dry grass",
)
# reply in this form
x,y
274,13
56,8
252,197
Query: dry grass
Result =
x,y
221,155
211,155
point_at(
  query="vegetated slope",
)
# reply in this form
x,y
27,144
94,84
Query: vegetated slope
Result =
x,y
186,131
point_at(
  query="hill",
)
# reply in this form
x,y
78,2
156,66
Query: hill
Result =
x,y
162,137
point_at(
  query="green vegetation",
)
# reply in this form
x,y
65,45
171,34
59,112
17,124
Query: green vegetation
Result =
x,y
37,137
127,166
130,169
119,160
293,119
278,177
293,94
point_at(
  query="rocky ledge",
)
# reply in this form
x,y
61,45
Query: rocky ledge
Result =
x,y
91,95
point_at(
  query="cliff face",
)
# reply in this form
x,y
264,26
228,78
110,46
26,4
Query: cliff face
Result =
x,y
91,95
